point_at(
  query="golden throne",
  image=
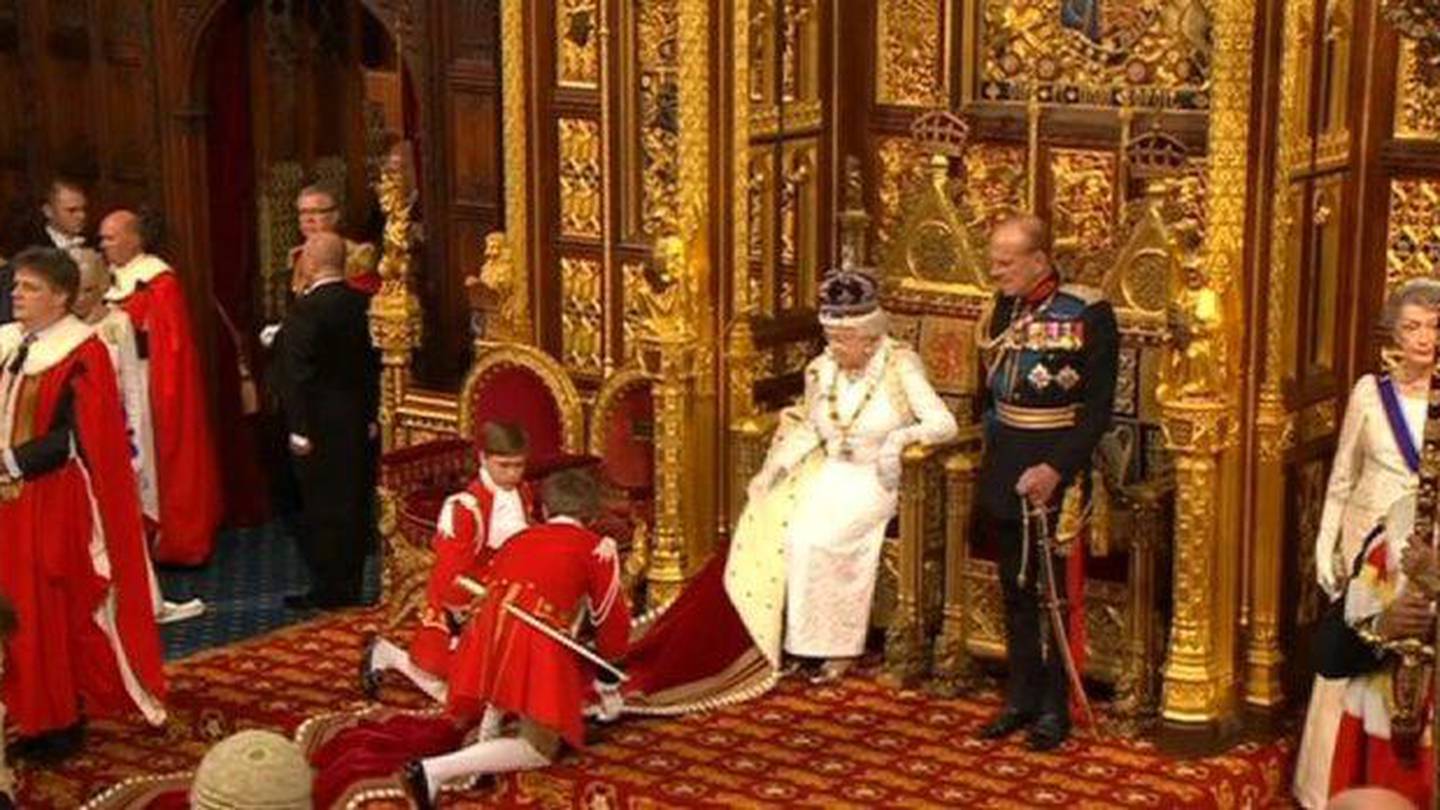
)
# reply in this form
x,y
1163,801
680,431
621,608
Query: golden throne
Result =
x,y
946,608
433,435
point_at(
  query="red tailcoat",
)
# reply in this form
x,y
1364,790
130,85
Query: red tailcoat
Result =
x,y
550,571
72,553
460,545
189,482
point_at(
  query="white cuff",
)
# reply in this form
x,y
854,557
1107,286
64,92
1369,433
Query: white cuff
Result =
x,y
298,442
12,469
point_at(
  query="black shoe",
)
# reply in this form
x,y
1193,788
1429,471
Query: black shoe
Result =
x,y
301,601
417,784
52,747
1048,733
1006,723
369,678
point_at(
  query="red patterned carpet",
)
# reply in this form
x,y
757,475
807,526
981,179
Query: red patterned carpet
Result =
x,y
857,744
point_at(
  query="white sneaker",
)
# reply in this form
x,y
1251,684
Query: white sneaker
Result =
x,y
171,612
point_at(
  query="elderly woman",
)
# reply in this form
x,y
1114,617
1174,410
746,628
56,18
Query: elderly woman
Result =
x,y
800,573
1376,463
866,399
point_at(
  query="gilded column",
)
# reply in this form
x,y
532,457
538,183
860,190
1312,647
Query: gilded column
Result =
x,y
517,199
1200,417
1274,424
703,468
394,310
954,669
666,329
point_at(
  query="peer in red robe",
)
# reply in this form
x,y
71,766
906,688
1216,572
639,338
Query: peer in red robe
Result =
x,y
72,560
149,291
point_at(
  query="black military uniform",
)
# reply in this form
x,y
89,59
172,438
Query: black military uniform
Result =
x,y
1051,361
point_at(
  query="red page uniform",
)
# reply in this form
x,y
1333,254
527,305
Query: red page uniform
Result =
x,y
474,525
554,572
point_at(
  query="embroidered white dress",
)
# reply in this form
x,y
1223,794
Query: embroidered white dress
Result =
x,y
1368,476
838,464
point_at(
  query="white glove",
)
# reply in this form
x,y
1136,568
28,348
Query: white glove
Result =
x,y
887,464
267,335
1326,573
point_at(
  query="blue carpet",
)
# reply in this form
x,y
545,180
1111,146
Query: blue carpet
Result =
x,y
244,585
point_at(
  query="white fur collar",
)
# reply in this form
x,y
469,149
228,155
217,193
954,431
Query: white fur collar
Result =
x,y
141,269
49,349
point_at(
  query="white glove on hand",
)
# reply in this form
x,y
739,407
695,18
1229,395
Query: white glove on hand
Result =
x,y
1326,572
887,464
267,335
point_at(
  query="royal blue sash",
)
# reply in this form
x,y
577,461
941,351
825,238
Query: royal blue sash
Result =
x,y
1395,415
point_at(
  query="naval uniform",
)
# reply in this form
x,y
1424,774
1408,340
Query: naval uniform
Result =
x,y
1051,361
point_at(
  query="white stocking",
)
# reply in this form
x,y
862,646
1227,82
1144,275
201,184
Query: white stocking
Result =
x,y
389,656
490,756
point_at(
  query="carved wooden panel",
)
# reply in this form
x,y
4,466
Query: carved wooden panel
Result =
x,y
475,170
474,30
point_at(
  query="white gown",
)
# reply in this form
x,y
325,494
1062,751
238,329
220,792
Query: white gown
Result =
x,y
839,487
1369,474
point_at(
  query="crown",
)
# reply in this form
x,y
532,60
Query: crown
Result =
x,y
1156,154
847,293
941,132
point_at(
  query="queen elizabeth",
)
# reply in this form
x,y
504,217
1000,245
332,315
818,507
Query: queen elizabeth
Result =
x,y
800,572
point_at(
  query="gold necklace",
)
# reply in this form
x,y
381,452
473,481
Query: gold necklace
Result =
x,y
833,399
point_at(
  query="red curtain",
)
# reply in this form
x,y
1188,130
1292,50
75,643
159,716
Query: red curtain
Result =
x,y
234,262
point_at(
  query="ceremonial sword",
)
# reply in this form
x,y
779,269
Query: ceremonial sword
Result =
x,y
1052,603
480,591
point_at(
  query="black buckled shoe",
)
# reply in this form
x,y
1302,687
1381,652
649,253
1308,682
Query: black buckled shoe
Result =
x,y
1006,723
417,784
369,678
51,747
1048,733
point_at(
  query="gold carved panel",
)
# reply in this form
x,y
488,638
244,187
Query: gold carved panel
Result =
x,y
1417,96
581,315
632,285
1144,53
799,211
994,183
1412,248
901,165
577,43
1333,141
580,177
1083,206
910,66
761,232
656,29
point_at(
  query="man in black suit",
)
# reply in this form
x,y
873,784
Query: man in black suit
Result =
x,y
64,210
329,388
63,226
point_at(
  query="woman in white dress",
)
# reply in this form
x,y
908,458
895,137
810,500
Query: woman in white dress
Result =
x,y
799,575
866,399
1375,464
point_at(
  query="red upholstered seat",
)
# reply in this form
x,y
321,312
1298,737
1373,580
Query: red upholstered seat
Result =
x,y
513,393
623,436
